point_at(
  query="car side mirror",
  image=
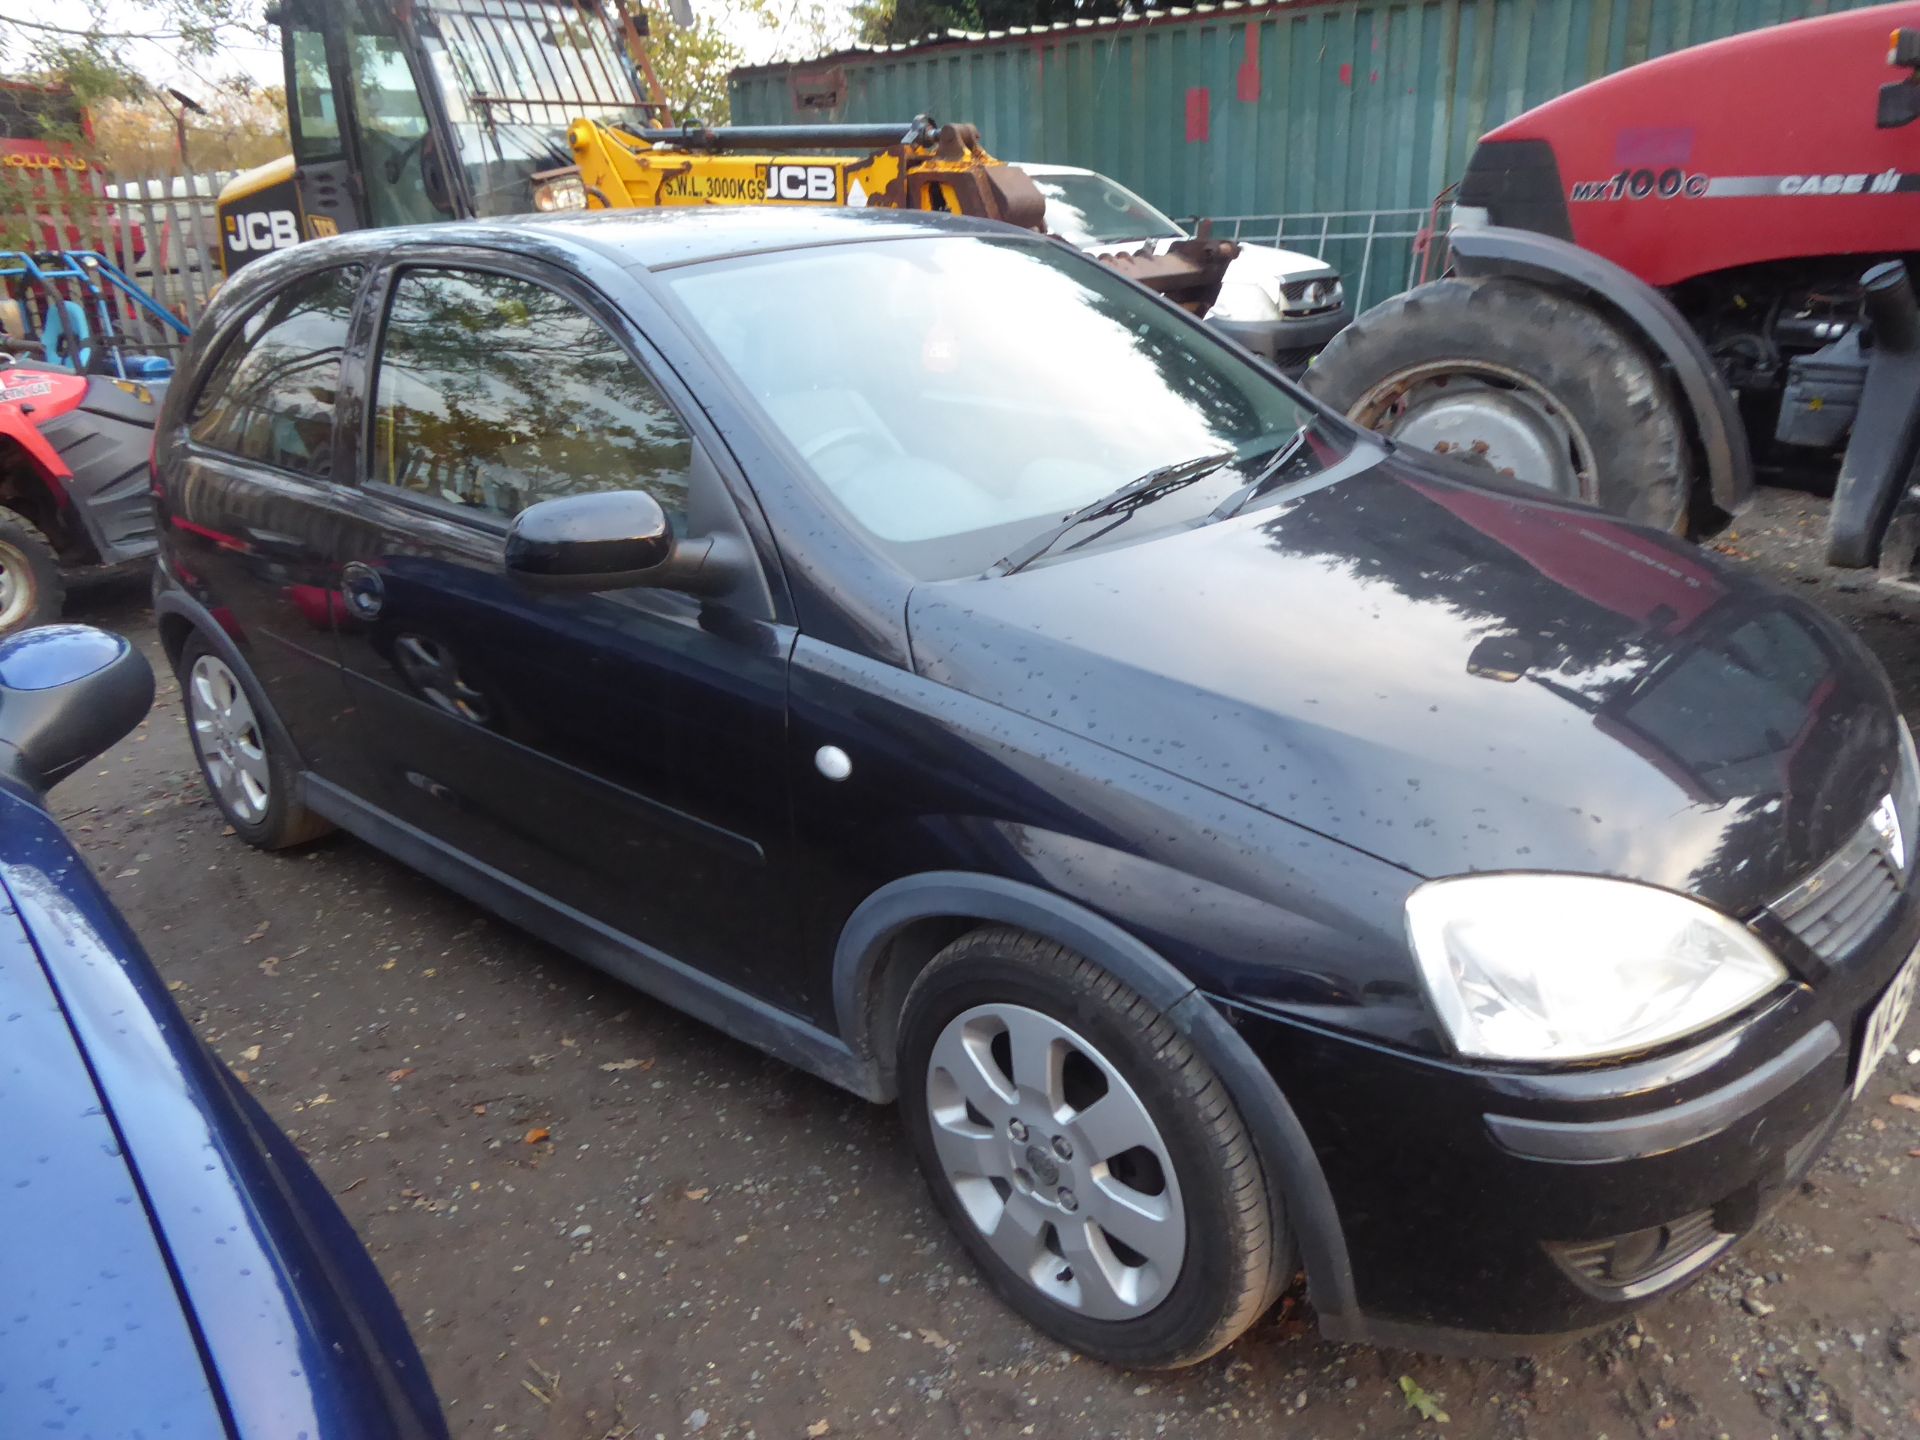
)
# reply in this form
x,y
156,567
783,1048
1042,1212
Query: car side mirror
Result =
x,y
67,693
610,540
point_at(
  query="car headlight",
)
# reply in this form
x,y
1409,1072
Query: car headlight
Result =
x,y
1575,967
1243,300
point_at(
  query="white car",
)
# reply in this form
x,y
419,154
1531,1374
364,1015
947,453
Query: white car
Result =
x,y
1280,304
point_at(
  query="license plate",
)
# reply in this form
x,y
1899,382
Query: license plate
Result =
x,y
1883,1025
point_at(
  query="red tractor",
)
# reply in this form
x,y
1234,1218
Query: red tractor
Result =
x,y
1662,274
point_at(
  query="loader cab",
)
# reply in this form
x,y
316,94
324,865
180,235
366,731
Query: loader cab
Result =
x,y
406,113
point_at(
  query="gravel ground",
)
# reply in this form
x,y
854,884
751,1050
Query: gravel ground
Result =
x,y
604,1220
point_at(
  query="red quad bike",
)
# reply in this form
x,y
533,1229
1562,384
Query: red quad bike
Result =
x,y
76,432
1662,274
75,498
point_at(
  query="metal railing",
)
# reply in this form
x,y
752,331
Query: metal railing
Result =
x,y
1378,253
162,233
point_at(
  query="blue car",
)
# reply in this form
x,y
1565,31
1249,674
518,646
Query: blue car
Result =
x,y
170,1265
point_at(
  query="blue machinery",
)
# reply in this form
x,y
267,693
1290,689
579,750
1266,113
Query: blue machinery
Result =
x,y
66,299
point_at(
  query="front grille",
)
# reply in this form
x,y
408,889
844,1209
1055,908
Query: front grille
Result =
x,y
1840,903
1294,295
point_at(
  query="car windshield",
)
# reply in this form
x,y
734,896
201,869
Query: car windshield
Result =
x,y
1092,210
956,396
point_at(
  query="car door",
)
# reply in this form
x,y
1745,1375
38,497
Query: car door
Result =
x,y
619,753
253,496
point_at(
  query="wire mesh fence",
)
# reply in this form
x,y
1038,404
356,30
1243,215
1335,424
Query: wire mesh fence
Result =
x,y
1378,253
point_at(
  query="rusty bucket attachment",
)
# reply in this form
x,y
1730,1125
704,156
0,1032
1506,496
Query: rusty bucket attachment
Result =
x,y
1188,272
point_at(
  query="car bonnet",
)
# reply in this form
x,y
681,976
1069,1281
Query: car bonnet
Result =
x,y
93,1337
1452,678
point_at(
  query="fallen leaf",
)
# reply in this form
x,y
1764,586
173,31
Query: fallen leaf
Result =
x,y
1913,1154
228,830
699,1194
860,1342
628,1065
934,1338
252,1052
176,985
817,1429
538,1134
1665,1422
1421,1403
396,1076
390,964
479,1109
270,965
257,932
1905,1102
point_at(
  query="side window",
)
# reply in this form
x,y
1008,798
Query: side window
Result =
x,y
271,395
317,131
494,393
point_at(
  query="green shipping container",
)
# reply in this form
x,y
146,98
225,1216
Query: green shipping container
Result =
x,y
1292,108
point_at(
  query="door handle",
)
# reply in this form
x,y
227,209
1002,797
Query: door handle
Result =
x,y
363,589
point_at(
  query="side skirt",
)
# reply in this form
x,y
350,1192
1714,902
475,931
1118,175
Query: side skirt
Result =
x,y
730,1010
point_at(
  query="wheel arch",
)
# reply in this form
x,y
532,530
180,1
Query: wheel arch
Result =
x,y
898,929
1709,414
179,618
28,486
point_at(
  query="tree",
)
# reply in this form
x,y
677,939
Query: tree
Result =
x,y
241,127
895,22
87,47
692,61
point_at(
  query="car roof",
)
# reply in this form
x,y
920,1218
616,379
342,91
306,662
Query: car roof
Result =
x,y
656,239
1036,169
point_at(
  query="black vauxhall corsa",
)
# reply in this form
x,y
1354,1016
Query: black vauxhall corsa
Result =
x,y
908,646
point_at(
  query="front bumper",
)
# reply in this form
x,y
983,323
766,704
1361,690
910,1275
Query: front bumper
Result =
x,y
1289,344
1489,1208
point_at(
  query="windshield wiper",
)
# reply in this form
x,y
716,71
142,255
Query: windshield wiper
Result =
x,y
1271,474
1124,501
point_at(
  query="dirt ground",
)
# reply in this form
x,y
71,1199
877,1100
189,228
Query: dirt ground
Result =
x,y
604,1220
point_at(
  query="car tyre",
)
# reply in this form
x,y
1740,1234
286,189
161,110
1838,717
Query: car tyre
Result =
x,y
248,773
32,589
1142,1231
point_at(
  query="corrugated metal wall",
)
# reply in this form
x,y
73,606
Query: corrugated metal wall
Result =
x,y
1302,106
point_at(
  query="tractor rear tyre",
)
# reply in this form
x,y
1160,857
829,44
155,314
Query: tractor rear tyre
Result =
x,y
31,587
1529,383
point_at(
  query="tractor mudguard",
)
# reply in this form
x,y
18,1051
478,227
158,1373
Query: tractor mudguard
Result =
x,y
1885,448
105,444
1708,408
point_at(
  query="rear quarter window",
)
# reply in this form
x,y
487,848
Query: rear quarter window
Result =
x,y
270,396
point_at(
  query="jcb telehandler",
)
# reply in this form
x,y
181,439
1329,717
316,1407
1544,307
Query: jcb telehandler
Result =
x,y
412,111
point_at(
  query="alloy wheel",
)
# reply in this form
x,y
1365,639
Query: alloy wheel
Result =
x,y
1056,1161
232,748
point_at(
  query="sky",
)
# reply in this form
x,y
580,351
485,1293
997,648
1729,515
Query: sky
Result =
x,y
259,60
